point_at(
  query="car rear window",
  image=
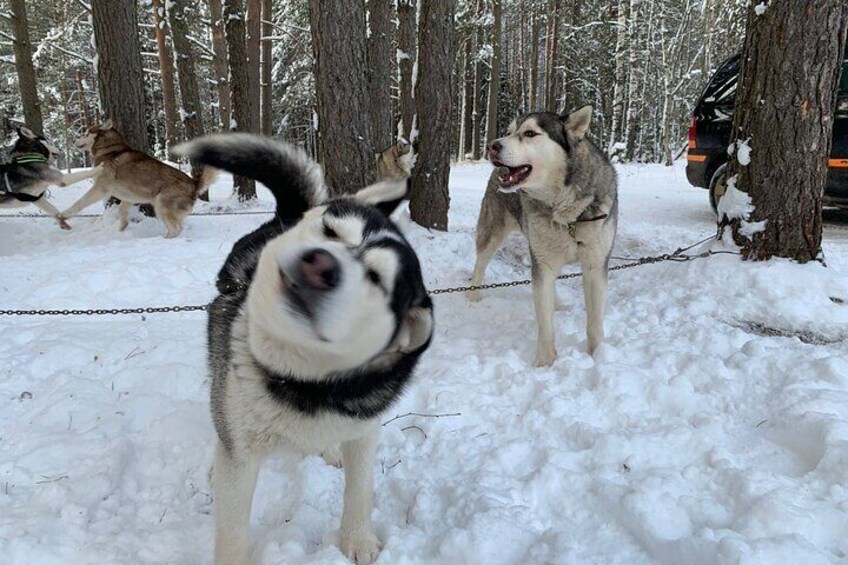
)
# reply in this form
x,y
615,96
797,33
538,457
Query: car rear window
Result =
x,y
722,87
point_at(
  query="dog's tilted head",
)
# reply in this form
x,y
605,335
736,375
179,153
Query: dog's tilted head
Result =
x,y
535,152
340,285
101,135
30,142
396,161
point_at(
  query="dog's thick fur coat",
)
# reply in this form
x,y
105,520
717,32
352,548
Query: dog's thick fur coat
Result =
x,y
134,177
560,190
321,319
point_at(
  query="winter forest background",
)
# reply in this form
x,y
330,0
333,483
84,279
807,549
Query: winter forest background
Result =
x,y
641,63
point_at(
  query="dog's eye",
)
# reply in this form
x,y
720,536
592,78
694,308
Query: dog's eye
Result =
x,y
530,133
330,233
372,276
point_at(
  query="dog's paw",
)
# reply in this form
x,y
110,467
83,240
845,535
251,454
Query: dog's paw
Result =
x,y
545,357
63,223
473,296
333,456
361,546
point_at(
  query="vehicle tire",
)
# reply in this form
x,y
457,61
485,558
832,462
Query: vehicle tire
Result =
x,y
718,186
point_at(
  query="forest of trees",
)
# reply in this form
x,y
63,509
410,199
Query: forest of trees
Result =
x,y
641,63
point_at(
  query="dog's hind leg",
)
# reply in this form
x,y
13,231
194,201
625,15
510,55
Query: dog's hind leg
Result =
x,y
233,483
594,268
492,229
358,540
124,213
52,211
544,301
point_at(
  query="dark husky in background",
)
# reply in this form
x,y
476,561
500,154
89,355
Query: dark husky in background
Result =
x,y
26,178
321,318
559,189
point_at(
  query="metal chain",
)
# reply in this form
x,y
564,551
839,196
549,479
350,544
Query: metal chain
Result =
x,y
677,256
247,213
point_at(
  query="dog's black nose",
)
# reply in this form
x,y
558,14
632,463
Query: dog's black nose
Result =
x,y
320,270
495,146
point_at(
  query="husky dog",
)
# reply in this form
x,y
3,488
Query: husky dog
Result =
x,y
27,177
396,161
559,189
136,178
321,318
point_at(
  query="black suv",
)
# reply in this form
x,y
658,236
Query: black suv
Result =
x,y
712,121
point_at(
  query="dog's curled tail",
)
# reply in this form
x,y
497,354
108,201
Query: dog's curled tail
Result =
x,y
204,180
296,181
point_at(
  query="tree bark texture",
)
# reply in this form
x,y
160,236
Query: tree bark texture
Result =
x,y
494,75
429,200
533,86
192,111
119,71
406,41
26,70
380,65
220,63
267,69
346,150
553,59
166,72
785,111
234,18
254,31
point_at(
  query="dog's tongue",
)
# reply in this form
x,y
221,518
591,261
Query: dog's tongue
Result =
x,y
511,176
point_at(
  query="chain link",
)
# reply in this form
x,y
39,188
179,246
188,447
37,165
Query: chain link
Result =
x,y
678,256
246,213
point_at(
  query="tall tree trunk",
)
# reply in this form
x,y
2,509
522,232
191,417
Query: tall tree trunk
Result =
x,y
379,67
494,75
430,200
119,71
267,69
619,85
465,102
533,85
407,40
166,72
553,57
191,113
26,70
220,64
788,125
632,84
346,148
242,113
477,91
254,31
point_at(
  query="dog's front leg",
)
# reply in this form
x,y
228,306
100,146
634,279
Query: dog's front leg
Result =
x,y
358,540
72,178
544,299
233,483
52,211
94,194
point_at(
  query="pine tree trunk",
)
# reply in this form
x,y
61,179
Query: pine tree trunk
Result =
x,y
620,76
267,69
220,63
494,75
553,57
430,200
477,93
346,149
234,18
26,70
166,72
254,31
379,67
533,85
191,115
406,40
632,84
784,111
119,70
465,103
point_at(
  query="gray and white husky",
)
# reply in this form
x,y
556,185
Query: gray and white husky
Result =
x,y
321,318
559,189
26,178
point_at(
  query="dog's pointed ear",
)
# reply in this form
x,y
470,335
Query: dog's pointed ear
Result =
x,y
26,132
107,124
416,329
385,196
577,122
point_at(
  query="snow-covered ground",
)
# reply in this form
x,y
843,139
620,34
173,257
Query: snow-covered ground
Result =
x,y
689,439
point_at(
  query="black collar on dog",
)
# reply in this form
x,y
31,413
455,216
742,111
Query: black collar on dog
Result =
x,y
595,219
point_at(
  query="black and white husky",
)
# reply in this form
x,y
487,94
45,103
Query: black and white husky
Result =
x,y
321,318
552,183
26,178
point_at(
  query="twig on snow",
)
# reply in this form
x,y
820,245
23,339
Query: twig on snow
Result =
x,y
398,417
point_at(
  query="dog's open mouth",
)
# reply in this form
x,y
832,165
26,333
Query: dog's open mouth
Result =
x,y
510,177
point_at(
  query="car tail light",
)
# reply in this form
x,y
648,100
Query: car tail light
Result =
x,y
692,133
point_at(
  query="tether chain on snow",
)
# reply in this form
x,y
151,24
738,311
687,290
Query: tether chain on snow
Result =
x,y
245,213
678,256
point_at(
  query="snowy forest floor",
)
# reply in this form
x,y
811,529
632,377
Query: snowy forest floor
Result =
x,y
696,435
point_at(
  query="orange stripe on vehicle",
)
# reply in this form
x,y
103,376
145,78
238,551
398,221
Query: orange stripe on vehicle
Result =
x,y
838,163
692,144
696,158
